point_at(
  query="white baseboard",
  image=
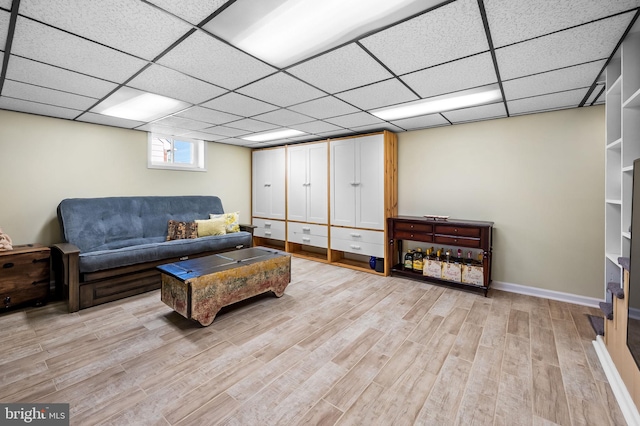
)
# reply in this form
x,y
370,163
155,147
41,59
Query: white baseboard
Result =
x,y
627,406
546,294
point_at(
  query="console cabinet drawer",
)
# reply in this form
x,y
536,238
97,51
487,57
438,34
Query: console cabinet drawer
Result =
x,y
457,231
455,241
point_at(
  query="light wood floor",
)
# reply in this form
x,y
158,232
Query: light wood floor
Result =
x,y
340,347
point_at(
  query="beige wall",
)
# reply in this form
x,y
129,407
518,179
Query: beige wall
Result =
x,y
44,160
539,177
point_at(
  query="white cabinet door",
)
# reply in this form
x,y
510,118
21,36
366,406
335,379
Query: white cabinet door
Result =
x,y
297,186
268,171
343,181
318,185
370,182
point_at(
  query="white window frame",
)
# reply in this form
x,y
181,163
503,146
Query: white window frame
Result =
x,y
198,163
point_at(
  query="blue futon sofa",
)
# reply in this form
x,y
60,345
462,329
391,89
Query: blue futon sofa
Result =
x,y
112,245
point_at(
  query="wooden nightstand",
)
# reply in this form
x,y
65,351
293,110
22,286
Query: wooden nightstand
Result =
x,y
24,275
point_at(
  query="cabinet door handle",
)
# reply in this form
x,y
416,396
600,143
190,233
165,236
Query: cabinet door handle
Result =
x,y
267,184
355,247
8,265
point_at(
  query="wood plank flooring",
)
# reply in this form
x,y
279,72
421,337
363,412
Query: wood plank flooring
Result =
x,y
340,347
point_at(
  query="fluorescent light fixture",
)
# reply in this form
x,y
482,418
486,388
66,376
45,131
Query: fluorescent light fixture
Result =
x,y
282,32
466,98
137,105
270,136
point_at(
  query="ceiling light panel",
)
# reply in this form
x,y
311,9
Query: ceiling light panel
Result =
x,y
208,59
4,25
133,104
28,71
239,104
454,76
45,44
194,11
422,122
130,26
281,89
442,35
251,125
208,115
316,127
324,108
358,119
283,117
341,69
29,92
481,112
36,108
570,47
106,120
377,95
167,82
552,81
182,123
569,99
512,21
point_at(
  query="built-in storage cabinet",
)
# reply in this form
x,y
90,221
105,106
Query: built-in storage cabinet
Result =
x,y
357,182
268,183
307,199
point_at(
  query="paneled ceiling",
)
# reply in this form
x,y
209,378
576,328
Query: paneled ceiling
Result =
x,y
62,58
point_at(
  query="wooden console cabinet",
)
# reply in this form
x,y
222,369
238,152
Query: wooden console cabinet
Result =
x,y
24,275
475,235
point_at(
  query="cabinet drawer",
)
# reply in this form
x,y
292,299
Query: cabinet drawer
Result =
x,y
357,235
308,229
307,239
409,235
267,228
358,247
23,270
413,227
457,231
455,241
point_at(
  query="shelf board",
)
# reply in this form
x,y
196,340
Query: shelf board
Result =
x,y
633,101
611,201
616,85
613,257
615,145
628,169
310,255
627,235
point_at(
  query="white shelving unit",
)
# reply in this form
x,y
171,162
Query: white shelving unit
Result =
x,y
622,147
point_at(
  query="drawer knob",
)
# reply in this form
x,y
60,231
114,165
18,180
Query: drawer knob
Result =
x,y
8,265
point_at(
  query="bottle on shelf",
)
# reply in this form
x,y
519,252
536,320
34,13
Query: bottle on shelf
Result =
x,y
439,255
458,258
448,255
480,258
469,258
408,261
418,260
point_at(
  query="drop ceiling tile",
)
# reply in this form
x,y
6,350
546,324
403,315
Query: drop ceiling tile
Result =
x,y
283,117
182,123
164,81
281,89
574,46
28,71
29,92
194,11
106,120
341,69
236,141
355,120
324,108
422,122
454,76
225,131
208,115
377,128
316,127
201,135
163,130
251,125
568,99
512,21
4,25
384,93
336,133
442,35
129,26
202,56
235,103
36,41
476,113
6,4
595,94
553,81
36,108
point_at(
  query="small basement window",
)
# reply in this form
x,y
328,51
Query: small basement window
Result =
x,y
176,153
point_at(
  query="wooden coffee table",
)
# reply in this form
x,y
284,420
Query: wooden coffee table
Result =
x,y
198,288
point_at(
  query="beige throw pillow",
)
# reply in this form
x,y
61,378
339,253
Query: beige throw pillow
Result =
x,y
211,227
